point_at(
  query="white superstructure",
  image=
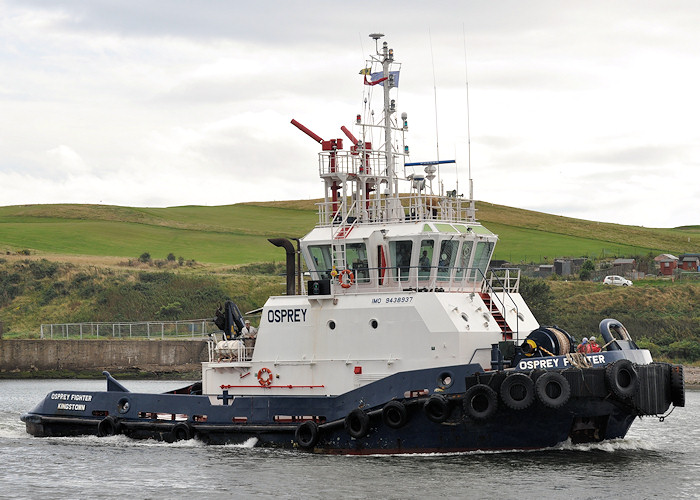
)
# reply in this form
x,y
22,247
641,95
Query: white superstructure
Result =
x,y
399,274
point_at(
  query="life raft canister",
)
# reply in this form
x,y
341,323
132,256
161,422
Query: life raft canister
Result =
x,y
265,377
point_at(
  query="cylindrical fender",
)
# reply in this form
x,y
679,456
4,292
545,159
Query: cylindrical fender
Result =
x,y
357,423
307,434
518,391
480,402
108,426
553,389
437,408
622,379
394,414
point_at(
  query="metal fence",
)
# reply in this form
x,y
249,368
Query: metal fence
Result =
x,y
194,329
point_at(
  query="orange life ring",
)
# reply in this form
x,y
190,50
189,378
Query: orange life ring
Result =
x,y
265,377
349,282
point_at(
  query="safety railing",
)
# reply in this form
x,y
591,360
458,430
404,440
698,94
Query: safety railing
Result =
x,y
182,329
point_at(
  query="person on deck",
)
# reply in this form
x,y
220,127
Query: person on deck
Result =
x,y
583,346
249,334
594,345
424,262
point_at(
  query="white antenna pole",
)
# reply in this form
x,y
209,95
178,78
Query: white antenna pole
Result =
x,y
469,136
437,137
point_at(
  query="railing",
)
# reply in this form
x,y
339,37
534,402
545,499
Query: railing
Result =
x,y
422,278
230,350
194,329
407,208
504,281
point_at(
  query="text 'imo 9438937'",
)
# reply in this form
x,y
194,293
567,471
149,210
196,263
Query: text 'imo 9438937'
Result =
x,y
403,340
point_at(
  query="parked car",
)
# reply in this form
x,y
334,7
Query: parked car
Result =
x,y
616,280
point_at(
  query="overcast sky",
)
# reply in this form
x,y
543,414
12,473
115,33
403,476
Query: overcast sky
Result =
x,y
583,109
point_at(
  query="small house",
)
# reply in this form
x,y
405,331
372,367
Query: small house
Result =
x,y
667,263
689,261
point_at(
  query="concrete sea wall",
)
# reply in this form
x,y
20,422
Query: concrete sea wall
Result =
x,y
89,355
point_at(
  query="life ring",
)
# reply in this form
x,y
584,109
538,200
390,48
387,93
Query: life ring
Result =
x,y
517,391
553,389
480,402
357,423
350,280
307,434
181,432
394,414
622,378
108,426
437,408
265,377
677,386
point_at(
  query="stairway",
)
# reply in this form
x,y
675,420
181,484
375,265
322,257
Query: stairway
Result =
x,y
500,320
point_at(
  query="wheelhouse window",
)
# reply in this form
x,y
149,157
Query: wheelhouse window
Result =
x,y
448,256
425,259
482,257
464,256
321,261
400,254
356,258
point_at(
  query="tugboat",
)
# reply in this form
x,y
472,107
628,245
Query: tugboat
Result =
x,y
402,341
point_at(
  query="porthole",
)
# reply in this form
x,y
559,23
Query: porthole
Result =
x,y
123,405
331,325
445,379
465,317
373,323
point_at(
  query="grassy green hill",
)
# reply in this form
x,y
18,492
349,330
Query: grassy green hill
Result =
x,y
237,234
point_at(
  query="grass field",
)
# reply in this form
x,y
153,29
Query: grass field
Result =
x,y
237,234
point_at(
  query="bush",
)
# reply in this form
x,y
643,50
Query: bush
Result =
x,y
688,350
145,257
171,257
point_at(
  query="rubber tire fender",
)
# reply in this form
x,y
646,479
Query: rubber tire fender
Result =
x,y
480,402
552,389
357,423
394,414
622,379
108,426
517,391
307,434
437,408
677,386
181,432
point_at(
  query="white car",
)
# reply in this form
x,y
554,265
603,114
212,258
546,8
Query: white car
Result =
x,y
616,280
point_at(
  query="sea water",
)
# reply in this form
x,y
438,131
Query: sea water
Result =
x,y
655,460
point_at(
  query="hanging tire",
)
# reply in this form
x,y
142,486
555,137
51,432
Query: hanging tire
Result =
x,y
517,391
181,432
307,434
622,379
480,402
394,414
108,426
677,386
552,389
437,408
357,423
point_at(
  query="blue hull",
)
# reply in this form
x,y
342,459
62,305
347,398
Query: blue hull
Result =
x,y
463,416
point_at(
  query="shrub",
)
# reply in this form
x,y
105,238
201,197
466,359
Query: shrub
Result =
x,y
145,257
171,257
